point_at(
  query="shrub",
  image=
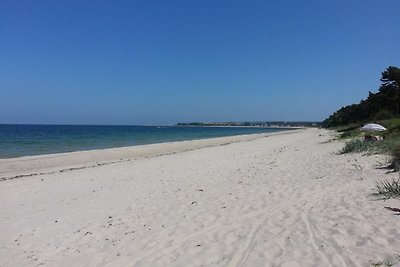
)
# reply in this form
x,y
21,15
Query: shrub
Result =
x,y
384,115
388,189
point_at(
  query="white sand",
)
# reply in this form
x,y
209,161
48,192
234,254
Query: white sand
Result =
x,y
282,200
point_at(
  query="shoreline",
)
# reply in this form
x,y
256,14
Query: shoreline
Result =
x,y
49,163
36,140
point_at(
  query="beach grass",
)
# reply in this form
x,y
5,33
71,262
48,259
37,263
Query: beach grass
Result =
x,y
386,146
349,131
388,189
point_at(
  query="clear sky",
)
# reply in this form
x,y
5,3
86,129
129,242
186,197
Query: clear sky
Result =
x,y
162,62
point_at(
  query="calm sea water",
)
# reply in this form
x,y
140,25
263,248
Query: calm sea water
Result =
x,y
25,140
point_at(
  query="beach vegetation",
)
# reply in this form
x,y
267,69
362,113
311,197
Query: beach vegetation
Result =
x,y
369,147
393,127
396,158
355,142
383,108
382,105
390,261
388,189
350,131
384,263
384,115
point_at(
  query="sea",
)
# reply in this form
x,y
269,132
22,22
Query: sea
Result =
x,y
27,140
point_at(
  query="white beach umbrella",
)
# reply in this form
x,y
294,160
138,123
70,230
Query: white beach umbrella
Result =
x,y
373,127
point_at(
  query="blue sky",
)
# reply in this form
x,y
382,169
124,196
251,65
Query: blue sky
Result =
x,y
162,62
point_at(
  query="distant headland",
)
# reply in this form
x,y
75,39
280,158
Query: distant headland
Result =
x,y
255,124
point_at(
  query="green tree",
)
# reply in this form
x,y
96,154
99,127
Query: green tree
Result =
x,y
384,103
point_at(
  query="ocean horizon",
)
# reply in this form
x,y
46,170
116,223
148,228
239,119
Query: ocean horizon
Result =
x,y
18,140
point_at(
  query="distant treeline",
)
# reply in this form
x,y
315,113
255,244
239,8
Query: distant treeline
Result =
x,y
255,124
385,104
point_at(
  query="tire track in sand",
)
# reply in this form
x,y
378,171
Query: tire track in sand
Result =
x,y
240,258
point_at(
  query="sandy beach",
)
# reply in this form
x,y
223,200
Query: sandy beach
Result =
x,y
282,199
